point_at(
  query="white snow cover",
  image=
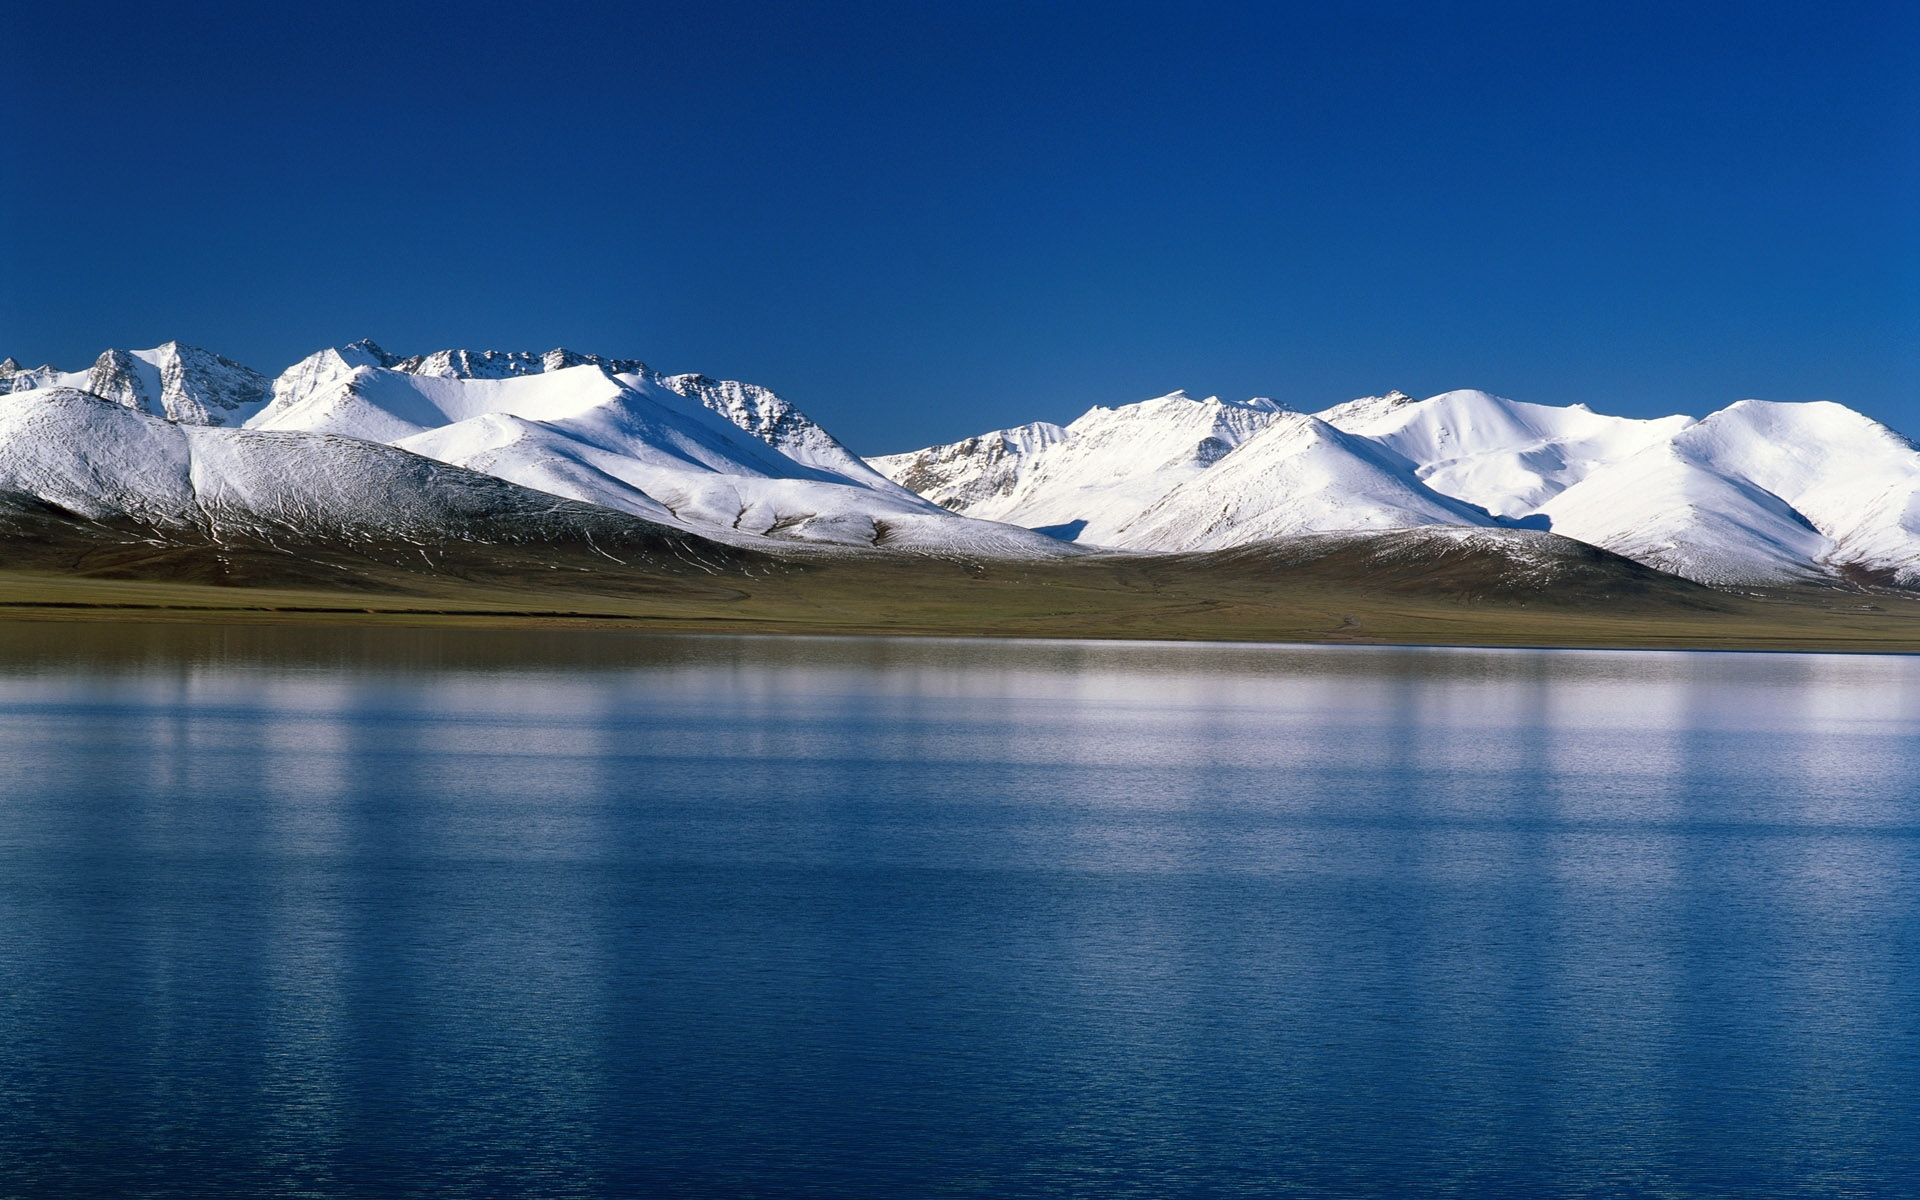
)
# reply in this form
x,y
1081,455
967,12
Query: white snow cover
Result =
x,y
1758,493
102,460
1298,475
1501,455
971,472
181,383
723,459
728,460
1089,480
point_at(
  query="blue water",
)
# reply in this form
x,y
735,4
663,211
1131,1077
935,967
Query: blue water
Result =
x,y
439,914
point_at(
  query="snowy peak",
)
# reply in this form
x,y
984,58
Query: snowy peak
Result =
x,y
1299,475
14,377
366,352
1756,493
505,364
199,387
106,462
726,459
1365,409
1803,439
181,383
1086,481
1174,432
456,364
1178,406
1846,476
327,369
330,392
129,381
331,386
771,418
1468,422
1502,455
965,473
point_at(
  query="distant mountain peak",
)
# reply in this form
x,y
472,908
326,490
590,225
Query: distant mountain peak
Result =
x,y
504,364
16,378
173,380
1181,395
1366,408
367,348
1093,475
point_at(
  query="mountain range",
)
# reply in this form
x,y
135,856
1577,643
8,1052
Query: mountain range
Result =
x,y
356,446
1757,493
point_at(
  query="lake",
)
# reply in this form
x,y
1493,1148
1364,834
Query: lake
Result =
x,y
431,913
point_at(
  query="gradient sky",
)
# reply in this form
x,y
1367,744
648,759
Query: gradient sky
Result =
x,y
921,222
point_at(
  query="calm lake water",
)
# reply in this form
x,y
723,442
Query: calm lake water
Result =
x,y
490,914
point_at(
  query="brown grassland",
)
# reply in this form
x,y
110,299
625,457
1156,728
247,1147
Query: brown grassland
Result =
x,y
1325,592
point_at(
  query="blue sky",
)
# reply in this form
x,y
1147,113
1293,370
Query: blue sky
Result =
x,y
924,221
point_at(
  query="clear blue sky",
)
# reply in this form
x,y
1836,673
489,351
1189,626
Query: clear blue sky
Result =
x,y
925,221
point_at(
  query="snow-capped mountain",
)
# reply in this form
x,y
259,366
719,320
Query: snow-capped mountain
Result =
x,y
726,460
1503,456
1758,493
1755,493
354,443
102,461
1087,481
1298,475
181,383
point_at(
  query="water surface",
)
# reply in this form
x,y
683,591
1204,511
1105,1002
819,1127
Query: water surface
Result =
x,y
480,914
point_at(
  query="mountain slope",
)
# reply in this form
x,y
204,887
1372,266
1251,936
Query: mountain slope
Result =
x,y
1297,476
973,471
1472,564
729,460
1501,455
181,383
1760,493
95,460
1090,479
